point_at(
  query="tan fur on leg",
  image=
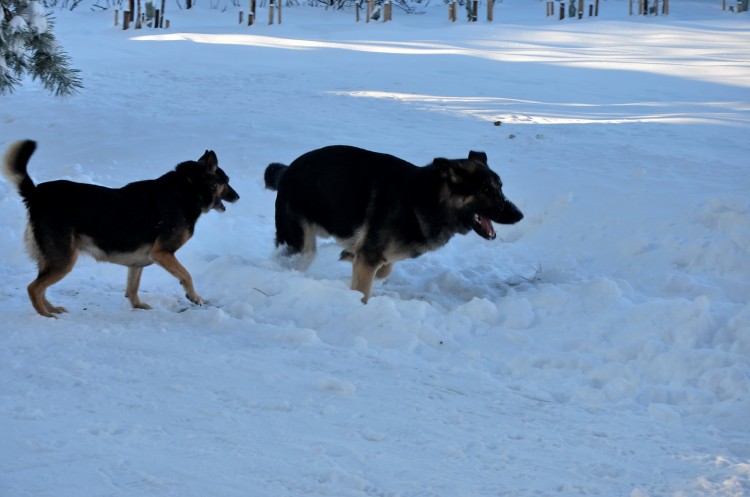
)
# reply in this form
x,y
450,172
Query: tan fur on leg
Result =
x,y
384,270
47,277
168,261
362,276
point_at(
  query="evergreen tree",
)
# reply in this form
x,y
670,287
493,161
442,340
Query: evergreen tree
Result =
x,y
27,45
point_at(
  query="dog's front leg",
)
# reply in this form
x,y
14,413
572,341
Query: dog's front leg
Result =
x,y
363,273
131,290
384,270
168,261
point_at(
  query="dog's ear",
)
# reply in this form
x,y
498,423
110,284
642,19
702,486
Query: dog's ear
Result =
x,y
210,160
478,156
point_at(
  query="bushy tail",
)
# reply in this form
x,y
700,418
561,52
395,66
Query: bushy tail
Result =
x,y
273,175
14,166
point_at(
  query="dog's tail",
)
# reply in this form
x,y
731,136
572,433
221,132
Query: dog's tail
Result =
x,y
14,166
273,175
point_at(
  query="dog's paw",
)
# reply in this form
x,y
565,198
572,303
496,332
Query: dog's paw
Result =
x,y
195,299
50,311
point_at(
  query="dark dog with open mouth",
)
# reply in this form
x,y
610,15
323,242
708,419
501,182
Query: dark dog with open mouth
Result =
x,y
383,209
137,225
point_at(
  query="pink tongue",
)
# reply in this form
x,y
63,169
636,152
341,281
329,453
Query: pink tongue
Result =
x,y
487,226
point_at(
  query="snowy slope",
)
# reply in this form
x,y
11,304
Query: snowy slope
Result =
x,y
599,347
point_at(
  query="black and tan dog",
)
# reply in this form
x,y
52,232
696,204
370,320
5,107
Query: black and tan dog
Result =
x,y
382,209
137,225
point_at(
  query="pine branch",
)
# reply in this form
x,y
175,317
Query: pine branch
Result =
x,y
54,72
27,44
7,82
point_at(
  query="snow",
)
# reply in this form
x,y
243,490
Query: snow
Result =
x,y
36,18
599,347
32,17
17,25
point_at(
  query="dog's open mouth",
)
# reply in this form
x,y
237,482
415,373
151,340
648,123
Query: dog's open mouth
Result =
x,y
229,195
483,226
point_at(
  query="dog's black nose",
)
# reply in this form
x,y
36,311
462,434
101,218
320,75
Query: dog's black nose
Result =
x,y
510,213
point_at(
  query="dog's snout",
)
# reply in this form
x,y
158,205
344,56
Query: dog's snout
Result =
x,y
514,213
509,213
230,195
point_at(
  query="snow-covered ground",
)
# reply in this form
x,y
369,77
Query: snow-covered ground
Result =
x,y
599,347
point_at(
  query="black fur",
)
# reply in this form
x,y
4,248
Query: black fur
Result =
x,y
382,208
137,225
273,175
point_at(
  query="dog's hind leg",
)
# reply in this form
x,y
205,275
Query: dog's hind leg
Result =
x,y
131,290
293,230
169,262
298,239
49,274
